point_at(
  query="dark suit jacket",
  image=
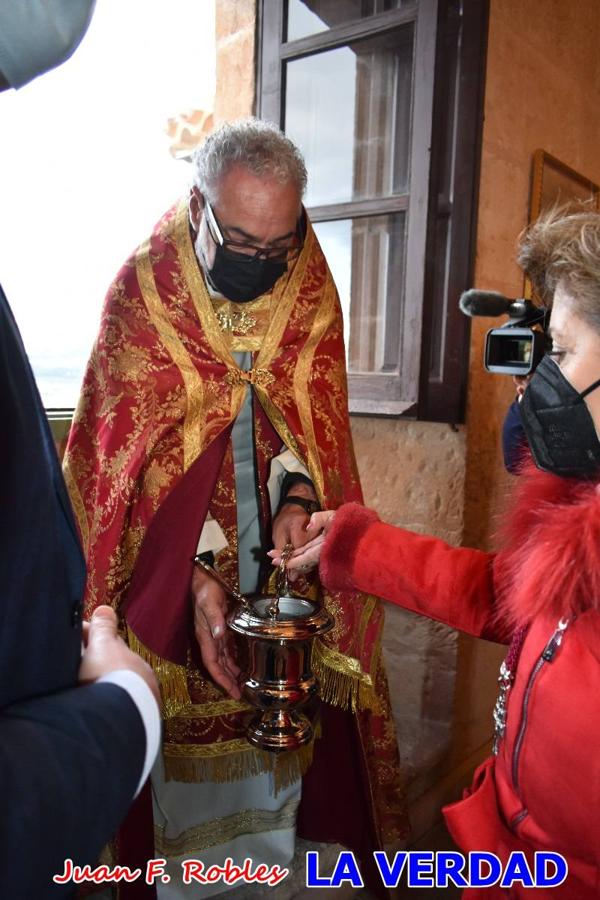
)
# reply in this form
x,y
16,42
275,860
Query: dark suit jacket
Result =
x,y
70,757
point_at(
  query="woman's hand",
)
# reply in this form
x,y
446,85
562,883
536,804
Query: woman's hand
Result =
x,y
307,557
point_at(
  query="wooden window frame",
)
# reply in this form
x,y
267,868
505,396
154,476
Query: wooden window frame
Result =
x,y
448,84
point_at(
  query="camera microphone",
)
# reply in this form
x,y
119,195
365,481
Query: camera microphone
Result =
x,y
515,348
489,303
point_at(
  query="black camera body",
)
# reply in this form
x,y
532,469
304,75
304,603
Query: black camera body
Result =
x,y
516,347
513,350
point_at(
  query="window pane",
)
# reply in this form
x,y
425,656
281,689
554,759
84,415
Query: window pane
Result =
x,y
349,112
307,17
335,239
366,257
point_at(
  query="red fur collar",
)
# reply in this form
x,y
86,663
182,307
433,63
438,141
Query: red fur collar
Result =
x,y
550,563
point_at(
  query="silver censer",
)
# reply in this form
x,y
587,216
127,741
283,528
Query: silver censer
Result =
x,y
279,680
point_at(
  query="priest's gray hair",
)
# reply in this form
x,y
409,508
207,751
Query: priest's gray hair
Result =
x,y
258,146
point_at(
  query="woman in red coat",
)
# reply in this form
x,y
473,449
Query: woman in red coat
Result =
x,y
540,594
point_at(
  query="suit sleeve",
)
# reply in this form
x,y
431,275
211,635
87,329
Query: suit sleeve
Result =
x,y
69,768
453,585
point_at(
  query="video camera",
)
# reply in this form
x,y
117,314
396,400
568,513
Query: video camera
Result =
x,y
517,346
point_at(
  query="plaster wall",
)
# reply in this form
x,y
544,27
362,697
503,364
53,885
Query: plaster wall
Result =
x,y
542,91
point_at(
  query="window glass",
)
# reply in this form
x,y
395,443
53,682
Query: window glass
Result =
x,y
366,256
384,100
348,110
86,170
306,17
335,239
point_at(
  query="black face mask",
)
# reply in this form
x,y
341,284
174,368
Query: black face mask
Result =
x,y
240,279
558,425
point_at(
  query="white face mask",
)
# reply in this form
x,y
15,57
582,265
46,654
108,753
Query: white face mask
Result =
x,y
38,35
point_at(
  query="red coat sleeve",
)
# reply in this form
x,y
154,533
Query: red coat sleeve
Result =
x,y
451,584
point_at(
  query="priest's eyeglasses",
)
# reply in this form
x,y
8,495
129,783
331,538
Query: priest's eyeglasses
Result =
x,y
243,252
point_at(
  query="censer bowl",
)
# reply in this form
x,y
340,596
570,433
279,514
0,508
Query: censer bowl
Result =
x,y
279,677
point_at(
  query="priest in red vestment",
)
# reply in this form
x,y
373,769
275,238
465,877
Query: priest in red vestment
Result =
x,y
219,364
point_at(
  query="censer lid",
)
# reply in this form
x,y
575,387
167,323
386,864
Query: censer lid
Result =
x,y
297,618
289,607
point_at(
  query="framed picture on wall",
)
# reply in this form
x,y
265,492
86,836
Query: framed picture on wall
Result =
x,y
553,182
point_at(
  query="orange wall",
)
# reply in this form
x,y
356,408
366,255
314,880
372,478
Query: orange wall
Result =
x,y
542,90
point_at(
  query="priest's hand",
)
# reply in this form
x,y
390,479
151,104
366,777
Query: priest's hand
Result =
x,y
289,526
216,644
308,555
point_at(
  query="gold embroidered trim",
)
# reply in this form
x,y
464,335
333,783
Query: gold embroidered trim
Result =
x,y
280,425
284,297
210,710
197,287
228,761
249,343
282,306
259,377
172,679
180,356
301,378
206,312
225,829
369,604
78,505
341,679
207,751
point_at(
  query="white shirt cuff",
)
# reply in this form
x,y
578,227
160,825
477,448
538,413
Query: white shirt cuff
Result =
x,y
211,537
280,466
147,706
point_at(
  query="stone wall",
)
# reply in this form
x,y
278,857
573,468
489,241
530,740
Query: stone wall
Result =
x,y
235,27
413,474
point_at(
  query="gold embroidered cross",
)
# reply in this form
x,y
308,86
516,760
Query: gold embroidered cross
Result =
x,y
239,320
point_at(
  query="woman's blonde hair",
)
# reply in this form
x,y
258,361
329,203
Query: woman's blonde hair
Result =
x,y
563,247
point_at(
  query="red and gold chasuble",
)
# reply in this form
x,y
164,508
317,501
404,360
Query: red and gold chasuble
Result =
x,y
150,452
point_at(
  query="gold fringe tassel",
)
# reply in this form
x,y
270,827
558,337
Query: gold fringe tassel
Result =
x,y
341,680
172,678
341,683
188,764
